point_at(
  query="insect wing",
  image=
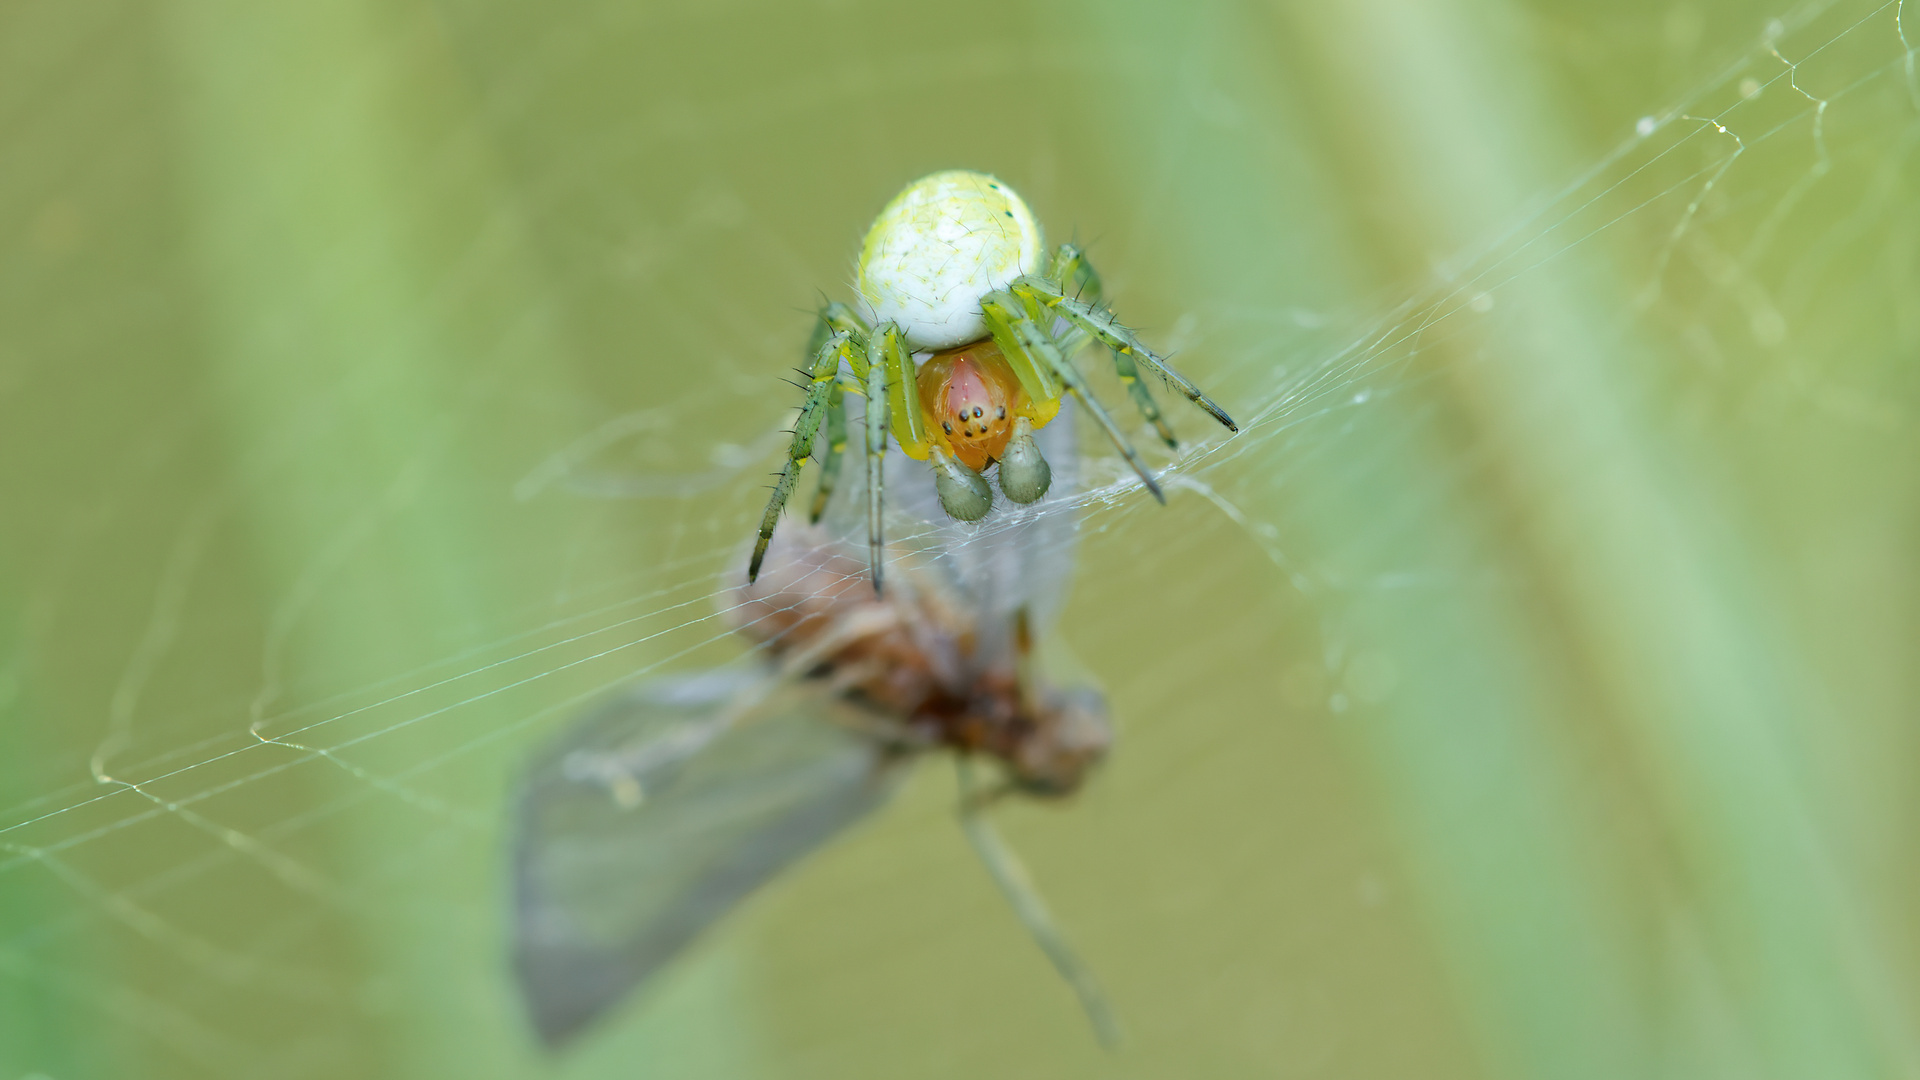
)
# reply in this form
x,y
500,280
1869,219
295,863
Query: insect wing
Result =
x,y
660,811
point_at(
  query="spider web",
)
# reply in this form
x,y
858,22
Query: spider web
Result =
x,y
391,382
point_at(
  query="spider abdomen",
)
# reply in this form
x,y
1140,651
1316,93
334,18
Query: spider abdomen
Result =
x,y
938,247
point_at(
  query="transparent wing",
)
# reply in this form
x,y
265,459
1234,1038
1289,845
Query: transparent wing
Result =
x,y
658,812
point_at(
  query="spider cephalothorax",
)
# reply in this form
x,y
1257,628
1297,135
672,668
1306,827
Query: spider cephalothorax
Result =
x,y
955,269
970,389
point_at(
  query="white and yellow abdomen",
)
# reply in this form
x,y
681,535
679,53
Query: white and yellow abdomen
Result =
x,y
943,243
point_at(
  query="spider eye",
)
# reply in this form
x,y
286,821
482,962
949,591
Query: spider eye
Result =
x,y
1003,412
976,411
949,428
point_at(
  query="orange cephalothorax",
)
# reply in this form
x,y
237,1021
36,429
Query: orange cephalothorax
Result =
x,y
972,397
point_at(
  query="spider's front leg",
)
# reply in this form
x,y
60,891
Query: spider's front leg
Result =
x,y
1034,355
875,377
836,449
1101,324
822,373
1074,276
835,317
886,371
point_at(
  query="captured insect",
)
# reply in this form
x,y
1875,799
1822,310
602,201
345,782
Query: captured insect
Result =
x,y
659,811
955,270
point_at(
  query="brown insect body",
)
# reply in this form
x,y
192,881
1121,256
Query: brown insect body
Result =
x,y
913,659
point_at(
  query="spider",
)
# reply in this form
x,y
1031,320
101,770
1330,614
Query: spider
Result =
x,y
955,267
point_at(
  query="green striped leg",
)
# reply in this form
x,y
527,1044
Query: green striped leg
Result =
x,y
823,374
1101,324
887,364
1142,399
836,317
836,447
1075,275
1077,278
1025,342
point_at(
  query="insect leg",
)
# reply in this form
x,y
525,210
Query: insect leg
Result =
x,y
1018,888
825,368
1101,324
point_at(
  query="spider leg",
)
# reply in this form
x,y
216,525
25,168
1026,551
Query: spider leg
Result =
x,y
1037,378
1075,275
1077,278
886,353
1029,339
904,417
1101,324
836,316
833,318
824,373
1142,397
836,447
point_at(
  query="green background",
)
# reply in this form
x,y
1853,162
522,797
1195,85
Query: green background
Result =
x,y
1526,692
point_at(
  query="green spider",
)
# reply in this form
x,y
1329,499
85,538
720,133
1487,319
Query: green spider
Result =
x,y
955,267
